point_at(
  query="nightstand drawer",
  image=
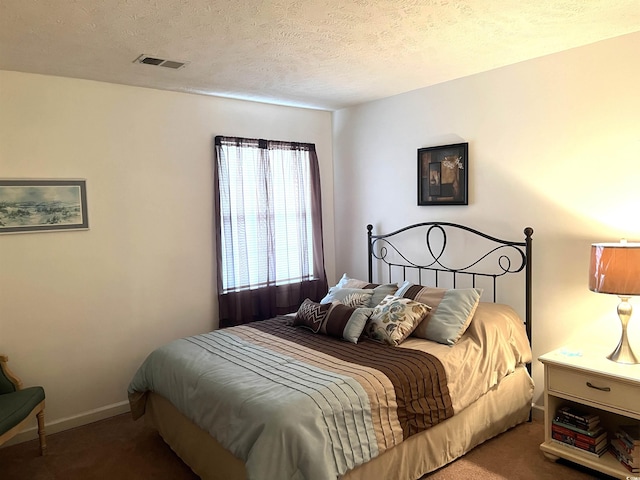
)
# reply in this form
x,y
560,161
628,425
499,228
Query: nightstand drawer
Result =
x,y
595,388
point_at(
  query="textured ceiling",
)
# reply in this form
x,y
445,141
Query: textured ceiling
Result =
x,y
316,53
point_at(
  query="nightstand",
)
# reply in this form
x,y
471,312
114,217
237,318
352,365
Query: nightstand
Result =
x,y
587,380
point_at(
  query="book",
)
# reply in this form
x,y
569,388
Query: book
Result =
x,y
580,419
596,431
626,444
578,415
587,452
589,447
621,459
633,462
594,439
631,432
583,424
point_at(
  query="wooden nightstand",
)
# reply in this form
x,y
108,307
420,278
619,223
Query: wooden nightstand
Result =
x,y
587,380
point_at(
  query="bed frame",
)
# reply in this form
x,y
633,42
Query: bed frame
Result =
x,y
503,407
499,258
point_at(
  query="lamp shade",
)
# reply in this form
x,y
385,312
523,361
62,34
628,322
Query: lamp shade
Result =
x,y
615,268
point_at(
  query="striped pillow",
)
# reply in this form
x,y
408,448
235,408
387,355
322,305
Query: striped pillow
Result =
x,y
451,310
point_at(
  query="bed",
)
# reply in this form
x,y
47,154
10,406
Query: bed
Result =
x,y
324,394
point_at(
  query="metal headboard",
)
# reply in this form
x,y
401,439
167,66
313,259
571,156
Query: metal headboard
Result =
x,y
505,257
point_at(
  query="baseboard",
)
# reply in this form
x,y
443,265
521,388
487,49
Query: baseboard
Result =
x,y
71,422
537,412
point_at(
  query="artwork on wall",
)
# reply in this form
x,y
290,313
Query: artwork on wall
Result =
x,y
42,205
443,175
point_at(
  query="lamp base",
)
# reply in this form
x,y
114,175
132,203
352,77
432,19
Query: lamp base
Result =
x,y
623,352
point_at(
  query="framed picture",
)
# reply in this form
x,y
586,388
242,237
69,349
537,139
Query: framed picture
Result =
x,y
42,205
443,175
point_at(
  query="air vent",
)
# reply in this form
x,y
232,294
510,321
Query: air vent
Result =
x,y
160,62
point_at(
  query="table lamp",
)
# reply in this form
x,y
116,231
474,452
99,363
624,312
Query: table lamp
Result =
x,y
615,269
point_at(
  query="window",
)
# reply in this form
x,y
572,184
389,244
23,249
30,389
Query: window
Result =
x,y
268,213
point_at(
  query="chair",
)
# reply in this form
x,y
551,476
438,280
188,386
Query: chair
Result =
x,y
19,405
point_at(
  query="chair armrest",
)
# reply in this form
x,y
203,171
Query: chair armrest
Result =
x,y
9,382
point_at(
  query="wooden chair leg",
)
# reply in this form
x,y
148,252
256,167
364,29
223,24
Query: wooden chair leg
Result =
x,y
41,432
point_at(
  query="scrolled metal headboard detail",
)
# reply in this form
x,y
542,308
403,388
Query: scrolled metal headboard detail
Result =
x,y
504,257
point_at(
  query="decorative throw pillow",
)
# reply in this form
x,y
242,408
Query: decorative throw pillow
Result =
x,y
333,319
345,322
352,297
394,318
451,310
311,315
379,290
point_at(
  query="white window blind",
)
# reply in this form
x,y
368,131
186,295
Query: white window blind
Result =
x,y
265,213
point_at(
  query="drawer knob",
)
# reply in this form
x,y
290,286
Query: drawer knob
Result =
x,y
602,389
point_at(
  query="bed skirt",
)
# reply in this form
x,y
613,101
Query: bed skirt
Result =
x,y
503,407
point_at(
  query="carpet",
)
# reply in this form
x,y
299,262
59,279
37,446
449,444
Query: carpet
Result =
x,y
119,448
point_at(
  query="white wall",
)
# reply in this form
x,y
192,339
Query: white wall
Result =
x,y
80,310
553,143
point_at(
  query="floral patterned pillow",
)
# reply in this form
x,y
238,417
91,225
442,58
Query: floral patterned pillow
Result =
x,y
394,318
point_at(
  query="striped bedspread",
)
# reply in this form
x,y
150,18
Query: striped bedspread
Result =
x,y
292,404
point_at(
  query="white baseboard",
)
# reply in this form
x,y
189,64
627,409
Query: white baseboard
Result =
x,y
537,412
71,422
123,407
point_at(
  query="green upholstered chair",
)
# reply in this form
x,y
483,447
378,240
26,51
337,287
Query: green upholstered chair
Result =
x,y
18,406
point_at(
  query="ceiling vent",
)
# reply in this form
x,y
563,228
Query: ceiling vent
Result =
x,y
160,62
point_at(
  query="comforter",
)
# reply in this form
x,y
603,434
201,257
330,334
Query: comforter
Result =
x,y
292,404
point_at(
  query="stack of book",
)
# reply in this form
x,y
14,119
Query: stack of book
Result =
x,y
580,430
626,447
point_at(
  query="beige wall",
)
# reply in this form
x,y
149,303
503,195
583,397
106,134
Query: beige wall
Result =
x,y
80,310
554,143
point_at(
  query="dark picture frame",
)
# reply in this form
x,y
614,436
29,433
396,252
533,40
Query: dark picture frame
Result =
x,y
42,205
443,175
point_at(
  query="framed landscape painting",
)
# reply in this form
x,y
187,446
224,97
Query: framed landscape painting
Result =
x,y
42,205
443,175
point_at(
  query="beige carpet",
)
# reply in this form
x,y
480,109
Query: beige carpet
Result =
x,y
121,449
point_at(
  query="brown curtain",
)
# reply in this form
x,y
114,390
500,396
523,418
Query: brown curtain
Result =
x,y
257,183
